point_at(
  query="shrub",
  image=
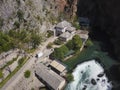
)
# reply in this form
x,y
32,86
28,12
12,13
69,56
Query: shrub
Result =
x,y
17,24
18,2
77,42
1,74
49,33
89,43
29,3
36,40
58,42
20,61
5,42
70,45
20,14
69,77
49,45
1,22
27,74
59,53
76,25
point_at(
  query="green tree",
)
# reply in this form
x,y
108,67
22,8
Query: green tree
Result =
x,y
64,49
5,41
57,54
76,25
17,24
60,52
70,45
69,77
36,40
1,22
77,42
20,15
89,43
27,73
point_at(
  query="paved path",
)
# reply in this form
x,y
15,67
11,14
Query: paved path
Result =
x,y
12,82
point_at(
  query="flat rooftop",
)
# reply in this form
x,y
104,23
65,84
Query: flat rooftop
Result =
x,y
65,35
58,66
83,34
63,24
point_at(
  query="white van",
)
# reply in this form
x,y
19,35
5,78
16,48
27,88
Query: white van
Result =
x,y
39,55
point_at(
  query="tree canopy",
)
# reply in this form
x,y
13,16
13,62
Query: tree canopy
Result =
x,y
77,42
27,74
59,53
36,39
21,39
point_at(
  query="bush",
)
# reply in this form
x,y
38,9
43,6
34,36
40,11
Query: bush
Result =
x,y
1,22
69,77
58,42
89,43
76,25
20,61
20,14
70,45
17,24
77,42
21,39
36,40
5,42
50,33
49,45
27,74
1,74
59,53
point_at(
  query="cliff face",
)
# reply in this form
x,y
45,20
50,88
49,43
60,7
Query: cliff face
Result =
x,y
34,14
105,16
29,14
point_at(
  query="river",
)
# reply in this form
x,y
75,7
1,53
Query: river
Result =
x,y
89,75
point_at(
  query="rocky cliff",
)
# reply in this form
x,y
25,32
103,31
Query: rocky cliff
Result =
x,y
105,17
33,14
29,14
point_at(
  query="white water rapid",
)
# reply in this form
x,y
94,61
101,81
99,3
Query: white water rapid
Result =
x,y
89,76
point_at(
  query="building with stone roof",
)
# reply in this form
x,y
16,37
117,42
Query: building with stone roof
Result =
x,y
51,79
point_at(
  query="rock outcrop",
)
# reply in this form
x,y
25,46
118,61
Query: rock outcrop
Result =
x,y
29,14
34,14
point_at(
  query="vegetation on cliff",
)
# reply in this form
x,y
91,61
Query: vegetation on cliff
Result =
x,y
19,39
